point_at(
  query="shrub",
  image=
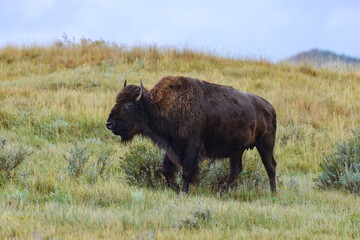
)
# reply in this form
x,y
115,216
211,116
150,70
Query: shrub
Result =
x,y
214,174
142,165
101,169
10,159
341,169
77,159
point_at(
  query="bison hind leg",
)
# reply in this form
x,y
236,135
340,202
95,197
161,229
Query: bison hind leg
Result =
x,y
265,148
235,169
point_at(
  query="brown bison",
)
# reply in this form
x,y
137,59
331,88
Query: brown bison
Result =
x,y
192,119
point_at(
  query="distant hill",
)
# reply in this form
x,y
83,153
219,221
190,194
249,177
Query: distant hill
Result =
x,y
324,58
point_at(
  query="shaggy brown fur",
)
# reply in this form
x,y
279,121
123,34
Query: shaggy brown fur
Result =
x,y
192,119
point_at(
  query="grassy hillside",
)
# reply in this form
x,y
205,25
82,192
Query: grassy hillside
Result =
x,y
52,97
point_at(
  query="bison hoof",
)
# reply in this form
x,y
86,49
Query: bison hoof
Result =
x,y
175,187
224,189
185,189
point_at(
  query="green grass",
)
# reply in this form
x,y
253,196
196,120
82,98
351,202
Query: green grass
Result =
x,y
52,97
112,209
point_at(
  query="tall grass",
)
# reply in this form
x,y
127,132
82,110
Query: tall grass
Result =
x,y
54,96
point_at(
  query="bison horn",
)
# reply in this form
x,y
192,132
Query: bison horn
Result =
x,y
141,91
125,83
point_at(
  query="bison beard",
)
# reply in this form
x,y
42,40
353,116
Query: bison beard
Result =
x,y
193,119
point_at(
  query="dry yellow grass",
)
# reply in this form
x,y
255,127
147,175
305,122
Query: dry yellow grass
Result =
x,y
51,97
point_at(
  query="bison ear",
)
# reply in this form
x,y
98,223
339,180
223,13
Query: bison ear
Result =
x,y
125,83
141,91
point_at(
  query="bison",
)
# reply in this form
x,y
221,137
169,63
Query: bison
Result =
x,y
191,119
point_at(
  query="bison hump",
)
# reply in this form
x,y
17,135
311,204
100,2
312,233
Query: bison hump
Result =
x,y
176,95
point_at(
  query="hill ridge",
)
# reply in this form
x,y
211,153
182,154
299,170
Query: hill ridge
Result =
x,y
323,58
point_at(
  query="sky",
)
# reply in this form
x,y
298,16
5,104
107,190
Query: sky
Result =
x,y
269,29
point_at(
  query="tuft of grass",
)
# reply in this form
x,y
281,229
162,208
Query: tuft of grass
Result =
x,y
199,216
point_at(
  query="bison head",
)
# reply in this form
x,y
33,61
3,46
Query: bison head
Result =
x,y
126,117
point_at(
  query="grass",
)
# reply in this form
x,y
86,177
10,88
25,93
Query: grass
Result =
x,y
111,209
55,96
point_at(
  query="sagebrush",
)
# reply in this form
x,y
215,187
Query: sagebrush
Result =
x,y
341,169
10,158
77,159
142,164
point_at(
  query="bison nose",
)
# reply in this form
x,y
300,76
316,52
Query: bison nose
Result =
x,y
109,124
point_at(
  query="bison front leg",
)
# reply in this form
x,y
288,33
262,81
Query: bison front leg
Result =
x,y
169,171
190,165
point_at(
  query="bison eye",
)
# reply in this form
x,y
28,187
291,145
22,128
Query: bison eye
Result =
x,y
129,105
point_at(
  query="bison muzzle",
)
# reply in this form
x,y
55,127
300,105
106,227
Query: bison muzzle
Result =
x,y
191,119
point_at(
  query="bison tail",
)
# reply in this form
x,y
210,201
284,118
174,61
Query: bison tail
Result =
x,y
274,162
274,120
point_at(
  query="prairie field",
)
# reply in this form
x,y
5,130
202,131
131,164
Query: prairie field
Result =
x,y
55,96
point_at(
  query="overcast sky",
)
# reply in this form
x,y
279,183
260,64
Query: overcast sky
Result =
x,y
271,29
